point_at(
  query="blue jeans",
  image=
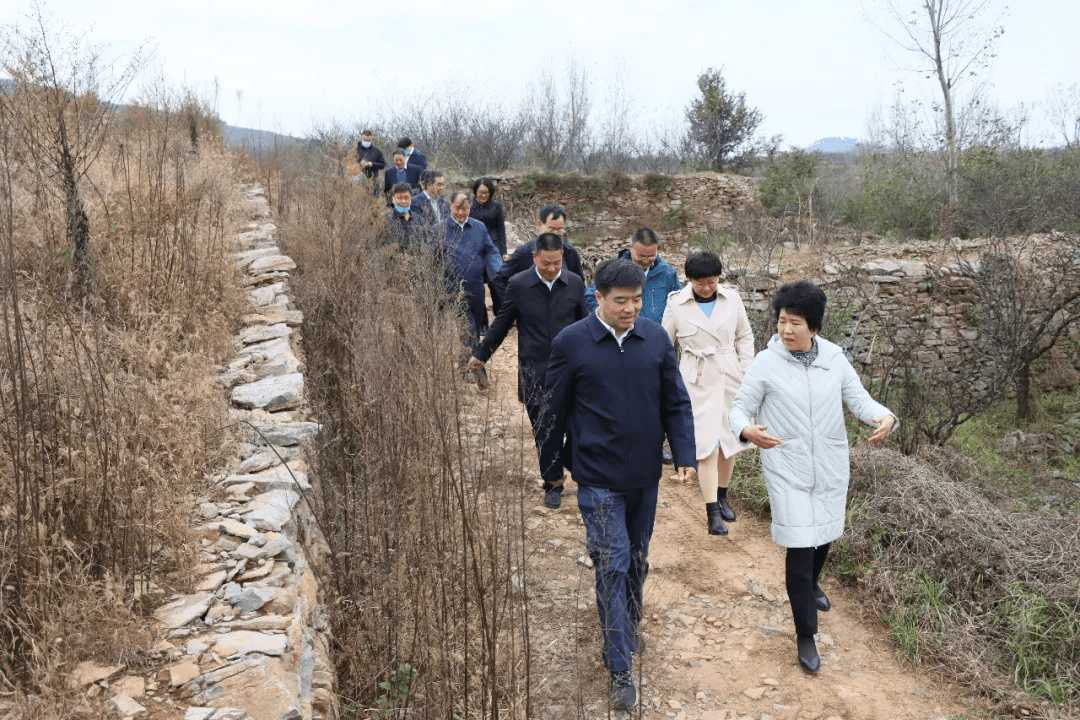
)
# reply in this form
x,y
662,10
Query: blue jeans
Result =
x,y
618,527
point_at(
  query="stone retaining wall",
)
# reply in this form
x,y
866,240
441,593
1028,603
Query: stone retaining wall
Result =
x,y
253,640
610,207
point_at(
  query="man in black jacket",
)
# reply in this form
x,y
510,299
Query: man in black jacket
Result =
x,y
542,300
371,159
552,220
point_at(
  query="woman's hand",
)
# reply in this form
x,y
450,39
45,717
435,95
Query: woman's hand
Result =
x,y
884,427
757,435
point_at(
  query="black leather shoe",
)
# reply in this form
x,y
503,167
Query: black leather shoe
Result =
x,y
808,655
725,510
623,690
716,522
821,600
553,498
637,643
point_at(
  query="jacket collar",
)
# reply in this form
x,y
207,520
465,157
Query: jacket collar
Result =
x,y
826,351
624,254
599,332
537,280
698,318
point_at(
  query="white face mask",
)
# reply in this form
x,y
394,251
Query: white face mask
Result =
x,y
366,143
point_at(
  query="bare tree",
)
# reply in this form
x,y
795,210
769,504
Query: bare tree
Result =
x,y
952,39
1029,296
1063,111
62,100
560,117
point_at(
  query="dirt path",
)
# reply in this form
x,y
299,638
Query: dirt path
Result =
x,y
720,640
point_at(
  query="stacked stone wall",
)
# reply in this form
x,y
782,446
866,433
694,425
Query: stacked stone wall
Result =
x,y
610,207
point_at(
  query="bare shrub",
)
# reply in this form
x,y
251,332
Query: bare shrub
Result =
x,y
421,490
110,418
986,595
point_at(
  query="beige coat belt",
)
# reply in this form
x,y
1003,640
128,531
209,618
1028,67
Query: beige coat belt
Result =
x,y
691,374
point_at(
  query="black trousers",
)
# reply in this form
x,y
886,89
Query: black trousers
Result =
x,y
802,568
533,409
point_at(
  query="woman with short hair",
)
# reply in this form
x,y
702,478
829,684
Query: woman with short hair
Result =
x,y
797,389
489,211
715,344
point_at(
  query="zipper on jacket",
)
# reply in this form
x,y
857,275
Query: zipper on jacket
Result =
x,y
810,404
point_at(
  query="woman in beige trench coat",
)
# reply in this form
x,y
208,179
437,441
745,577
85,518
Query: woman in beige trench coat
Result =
x,y
714,343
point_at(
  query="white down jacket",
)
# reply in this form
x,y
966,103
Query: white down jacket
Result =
x,y
807,475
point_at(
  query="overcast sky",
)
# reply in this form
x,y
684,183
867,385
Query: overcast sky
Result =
x,y
815,69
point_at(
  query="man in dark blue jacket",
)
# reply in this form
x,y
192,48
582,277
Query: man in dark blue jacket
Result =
x,y
615,389
413,157
467,250
399,174
429,202
552,220
542,301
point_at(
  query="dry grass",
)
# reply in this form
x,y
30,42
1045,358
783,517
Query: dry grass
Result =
x,y
110,415
989,596
420,491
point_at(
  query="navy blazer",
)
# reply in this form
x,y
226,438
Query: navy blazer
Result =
x,y
615,405
540,315
392,175
422,206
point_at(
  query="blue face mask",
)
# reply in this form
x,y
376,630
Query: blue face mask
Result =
x,y
402,210
408,153
366,143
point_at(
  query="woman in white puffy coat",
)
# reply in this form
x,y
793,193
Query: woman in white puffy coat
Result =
x,y
715,344
797,388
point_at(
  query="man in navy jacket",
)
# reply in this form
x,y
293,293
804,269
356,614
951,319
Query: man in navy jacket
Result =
x,y
399,174
542,301
430,202
615,390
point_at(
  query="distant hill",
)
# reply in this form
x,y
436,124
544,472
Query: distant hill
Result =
x,y
256,142
834,145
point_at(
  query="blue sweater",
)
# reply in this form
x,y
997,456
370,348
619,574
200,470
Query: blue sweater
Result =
x,y
659,282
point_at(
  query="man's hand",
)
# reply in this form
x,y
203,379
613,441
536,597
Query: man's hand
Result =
x,y
884,427
757,435
686,474
475,364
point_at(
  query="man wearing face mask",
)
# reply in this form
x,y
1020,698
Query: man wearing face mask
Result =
x,y
404,226
413,157
371,159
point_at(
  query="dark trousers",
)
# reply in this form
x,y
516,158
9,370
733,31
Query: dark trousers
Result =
x,y
618,527
534,409
802,568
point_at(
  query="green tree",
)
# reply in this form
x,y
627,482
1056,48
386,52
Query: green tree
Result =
x,y
788,180
721,124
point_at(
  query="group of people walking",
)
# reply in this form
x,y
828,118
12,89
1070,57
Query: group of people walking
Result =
x,y
608,371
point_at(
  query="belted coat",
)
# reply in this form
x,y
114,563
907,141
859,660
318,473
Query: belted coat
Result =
x,y
714,353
